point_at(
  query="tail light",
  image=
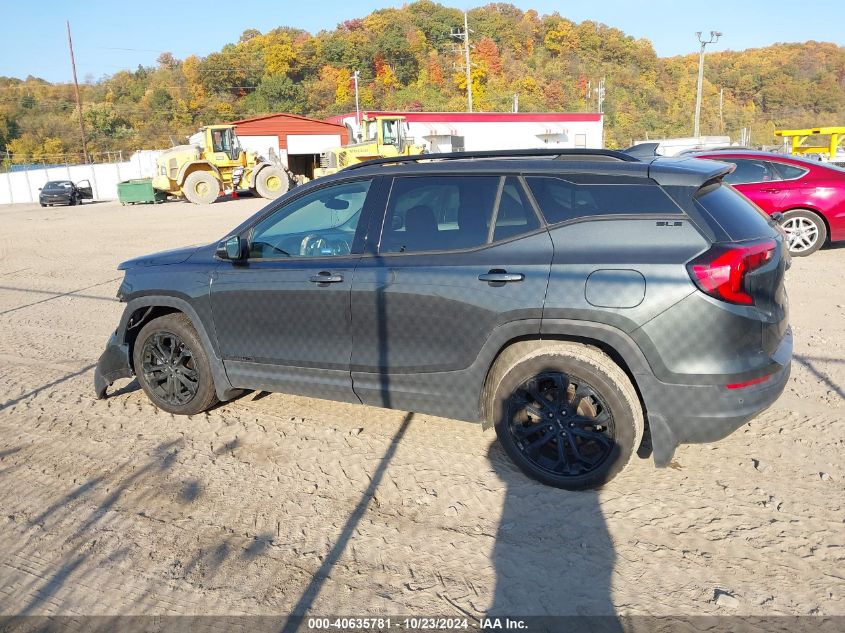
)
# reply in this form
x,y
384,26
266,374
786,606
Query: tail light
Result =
x,y
721,271
748,383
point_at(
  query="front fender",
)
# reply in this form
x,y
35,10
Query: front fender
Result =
x,y
116,361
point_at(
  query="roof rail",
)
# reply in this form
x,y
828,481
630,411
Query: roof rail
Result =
x,y
505,153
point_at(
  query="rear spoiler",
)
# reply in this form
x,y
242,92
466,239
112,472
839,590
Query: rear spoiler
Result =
x,y
688,171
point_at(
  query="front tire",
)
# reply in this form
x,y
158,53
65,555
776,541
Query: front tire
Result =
x,y
201,187
806,232
567,415
172,366
271,182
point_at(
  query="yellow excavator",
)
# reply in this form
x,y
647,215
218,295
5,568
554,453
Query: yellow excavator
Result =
x,y
381,137
214,161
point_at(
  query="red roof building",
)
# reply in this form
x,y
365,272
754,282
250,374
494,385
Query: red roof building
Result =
x,y
296,140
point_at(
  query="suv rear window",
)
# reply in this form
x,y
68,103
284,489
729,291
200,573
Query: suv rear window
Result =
x,y
561,200
740,219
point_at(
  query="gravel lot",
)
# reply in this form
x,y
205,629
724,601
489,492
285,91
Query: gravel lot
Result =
x,y
273,503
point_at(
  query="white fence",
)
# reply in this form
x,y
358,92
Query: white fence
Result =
x,y
23,186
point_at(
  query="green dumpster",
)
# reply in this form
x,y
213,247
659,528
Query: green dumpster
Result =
x,y
139,190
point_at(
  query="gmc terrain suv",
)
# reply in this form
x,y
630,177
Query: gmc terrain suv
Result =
x,y
574,300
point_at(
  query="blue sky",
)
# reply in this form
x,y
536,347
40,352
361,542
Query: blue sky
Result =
x,y
34,40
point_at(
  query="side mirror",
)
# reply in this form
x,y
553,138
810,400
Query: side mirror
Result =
x,y
778,217
231,248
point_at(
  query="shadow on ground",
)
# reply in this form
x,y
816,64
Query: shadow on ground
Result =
x,y
553,554
810,363
78,550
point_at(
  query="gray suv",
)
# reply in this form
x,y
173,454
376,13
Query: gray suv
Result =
x,y
586,304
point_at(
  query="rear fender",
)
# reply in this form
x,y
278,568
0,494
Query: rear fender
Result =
x,y
625,352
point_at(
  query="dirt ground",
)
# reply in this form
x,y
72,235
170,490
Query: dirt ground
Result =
x,y
271,504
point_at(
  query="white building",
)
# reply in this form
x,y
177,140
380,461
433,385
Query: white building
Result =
x,y
444,131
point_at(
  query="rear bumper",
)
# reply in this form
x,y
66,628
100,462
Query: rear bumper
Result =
x,y
113,364
689,414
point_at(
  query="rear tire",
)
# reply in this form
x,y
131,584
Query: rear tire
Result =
x,y
271,182
201,187
566,414
172,366
806,232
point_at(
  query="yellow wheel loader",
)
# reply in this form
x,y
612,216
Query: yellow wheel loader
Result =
x,y
381,137
213,162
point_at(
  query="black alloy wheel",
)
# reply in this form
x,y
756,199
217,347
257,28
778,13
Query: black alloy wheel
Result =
x,y
169,368
561,424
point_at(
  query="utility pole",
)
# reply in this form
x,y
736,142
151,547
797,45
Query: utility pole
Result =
x,y
78,100
721,106
466,63
463,35
516,102
357,108
600,95
714,37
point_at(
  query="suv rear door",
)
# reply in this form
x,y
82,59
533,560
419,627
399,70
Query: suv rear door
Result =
x,y
454,257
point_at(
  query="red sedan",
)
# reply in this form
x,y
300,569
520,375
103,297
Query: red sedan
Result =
x,y
810,194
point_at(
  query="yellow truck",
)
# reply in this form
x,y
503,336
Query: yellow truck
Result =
x,y
214,162
381,137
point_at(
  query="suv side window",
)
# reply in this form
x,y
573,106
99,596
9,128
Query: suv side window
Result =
x,y
748,171
435,213
514,214
561,200
319,224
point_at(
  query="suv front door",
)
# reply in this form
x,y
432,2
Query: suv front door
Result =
x,y
282,316
458,258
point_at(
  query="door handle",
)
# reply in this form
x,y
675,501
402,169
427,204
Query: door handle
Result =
x,y
500,276
325,278
771,190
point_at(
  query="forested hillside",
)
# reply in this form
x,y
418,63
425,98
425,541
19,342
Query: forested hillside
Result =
x,y
407,60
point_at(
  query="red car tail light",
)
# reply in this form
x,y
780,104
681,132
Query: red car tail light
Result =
x,y
721,271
